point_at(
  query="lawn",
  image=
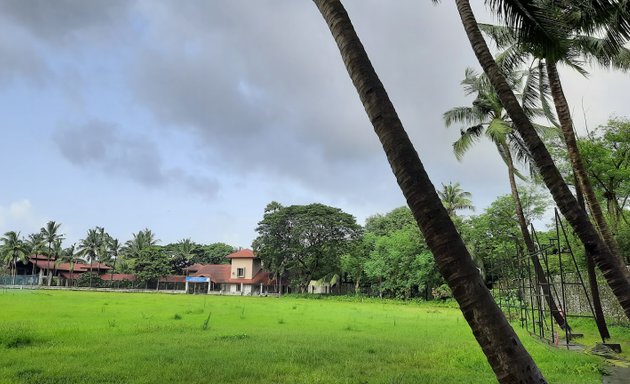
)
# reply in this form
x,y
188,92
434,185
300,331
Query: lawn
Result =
x,y
94,337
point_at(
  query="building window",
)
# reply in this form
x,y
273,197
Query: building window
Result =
x,y
238,287
240,272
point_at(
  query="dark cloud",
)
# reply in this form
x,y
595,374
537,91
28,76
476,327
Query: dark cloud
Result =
x,y
103,146
266,90
60,19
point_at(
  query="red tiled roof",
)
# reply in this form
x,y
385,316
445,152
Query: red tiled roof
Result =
x,y
39,257
118,277
218,273
71,276
173,279
242,254
194,268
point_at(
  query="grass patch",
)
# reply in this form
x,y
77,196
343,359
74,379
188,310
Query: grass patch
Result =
x,y
281,340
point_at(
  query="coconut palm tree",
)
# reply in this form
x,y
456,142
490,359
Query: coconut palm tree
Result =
x,y
487,117
51,234
114,249
12,250
36,246
615,273
141,240
455,198
70,256
90,247
578,42
507,356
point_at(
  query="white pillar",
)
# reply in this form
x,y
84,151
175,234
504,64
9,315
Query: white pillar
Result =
x,y
186,287
209,285
261,288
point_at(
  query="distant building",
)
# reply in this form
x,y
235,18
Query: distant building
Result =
x,y
46,269
243,276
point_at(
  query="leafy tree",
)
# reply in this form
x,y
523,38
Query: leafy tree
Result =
x,y
305,241
455,198
212,253
152,263
181,254
398,218
519,15
12,250
507,356
606,156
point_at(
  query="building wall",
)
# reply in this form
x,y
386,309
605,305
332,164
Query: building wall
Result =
x,y
242,263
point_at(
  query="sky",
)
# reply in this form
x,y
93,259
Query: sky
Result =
x,y
189,117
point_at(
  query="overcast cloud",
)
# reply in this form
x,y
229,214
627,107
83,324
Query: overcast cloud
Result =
x,y
187,117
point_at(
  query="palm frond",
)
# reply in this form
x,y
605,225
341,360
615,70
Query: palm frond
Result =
x,y
461,115
498,130
595,50
466,140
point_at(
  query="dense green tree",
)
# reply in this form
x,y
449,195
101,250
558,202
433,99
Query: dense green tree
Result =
x,y
304,241
397,219
506,355
617,276
212,253
151,264
607,161
12,250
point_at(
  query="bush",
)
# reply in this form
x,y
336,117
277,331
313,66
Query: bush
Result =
x,y
442,292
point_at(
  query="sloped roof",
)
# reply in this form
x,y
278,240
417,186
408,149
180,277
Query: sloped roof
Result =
x,y
118,277
218,273
242,254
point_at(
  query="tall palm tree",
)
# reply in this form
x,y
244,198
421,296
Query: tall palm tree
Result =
x,y
507,356
36,246
51,234
114,249
455,198
615,273
487,117
90,247
577,42
70,256
141,240
12,250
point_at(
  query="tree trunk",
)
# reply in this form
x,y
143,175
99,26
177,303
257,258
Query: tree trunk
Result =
x,y
582,180
600,320
616,274
506,355
529,243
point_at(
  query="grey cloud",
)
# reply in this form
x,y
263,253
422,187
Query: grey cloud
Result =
x,y
266,79
101,145
59,19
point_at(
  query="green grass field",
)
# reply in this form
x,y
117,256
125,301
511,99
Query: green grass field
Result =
x,y
92,337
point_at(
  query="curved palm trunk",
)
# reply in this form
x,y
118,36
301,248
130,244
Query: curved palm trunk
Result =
x,y
529,243
506,355
616,274
582,180
600,320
